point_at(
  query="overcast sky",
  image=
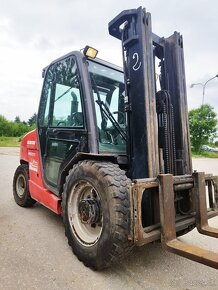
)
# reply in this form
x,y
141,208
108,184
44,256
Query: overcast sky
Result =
x,y
35,32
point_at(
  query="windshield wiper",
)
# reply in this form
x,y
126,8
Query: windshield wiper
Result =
x,y
64,93
107,113
73,85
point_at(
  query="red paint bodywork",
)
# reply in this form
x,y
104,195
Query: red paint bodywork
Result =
x,y
30,153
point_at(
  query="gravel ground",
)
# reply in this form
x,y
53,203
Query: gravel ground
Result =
x,y
34,253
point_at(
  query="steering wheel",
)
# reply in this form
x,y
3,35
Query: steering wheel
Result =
x,y
76,119
61,122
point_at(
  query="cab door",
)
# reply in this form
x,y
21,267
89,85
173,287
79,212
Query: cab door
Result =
x,y
61,120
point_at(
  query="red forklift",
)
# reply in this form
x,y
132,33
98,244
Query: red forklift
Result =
x,y
111,150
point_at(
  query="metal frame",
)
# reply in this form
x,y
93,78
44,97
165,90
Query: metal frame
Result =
x,y
140,48
142,148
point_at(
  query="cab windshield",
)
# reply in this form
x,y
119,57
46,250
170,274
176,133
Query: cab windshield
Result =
x,y
108,92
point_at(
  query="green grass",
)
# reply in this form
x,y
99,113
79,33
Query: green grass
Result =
x,y
205,154
10,141
15,142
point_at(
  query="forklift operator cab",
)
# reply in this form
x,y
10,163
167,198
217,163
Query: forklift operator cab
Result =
x,y
65,107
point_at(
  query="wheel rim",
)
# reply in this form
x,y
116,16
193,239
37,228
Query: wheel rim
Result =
x,y
87,232
20,185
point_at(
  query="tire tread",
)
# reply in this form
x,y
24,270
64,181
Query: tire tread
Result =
x,y
117,183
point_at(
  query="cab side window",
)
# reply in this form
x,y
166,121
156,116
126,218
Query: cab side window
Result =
x,y
61,102
43,114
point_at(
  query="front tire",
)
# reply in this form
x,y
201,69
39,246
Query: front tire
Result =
x,y
96,213
21,187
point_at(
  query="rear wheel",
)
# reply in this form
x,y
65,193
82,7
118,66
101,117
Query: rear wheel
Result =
x,y
96,213
21,187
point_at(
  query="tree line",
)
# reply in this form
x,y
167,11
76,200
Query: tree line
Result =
x,y
202,125
16,128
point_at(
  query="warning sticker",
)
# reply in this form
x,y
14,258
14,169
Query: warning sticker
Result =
x,y
33,165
